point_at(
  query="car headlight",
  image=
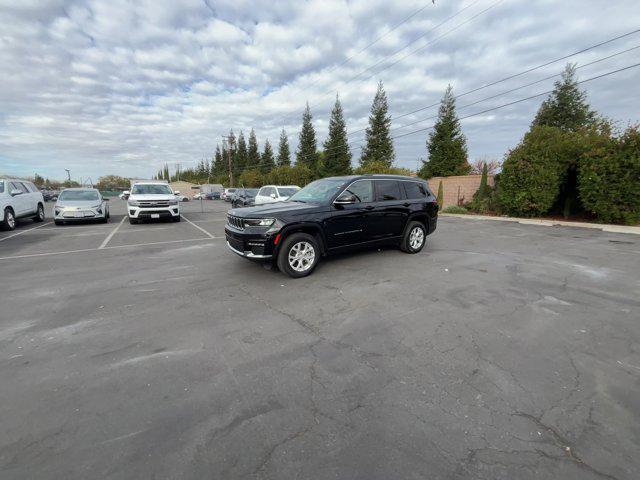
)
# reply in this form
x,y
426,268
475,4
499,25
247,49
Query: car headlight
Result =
x,y
259,222
133,203
173,202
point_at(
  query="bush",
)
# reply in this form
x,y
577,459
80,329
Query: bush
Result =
x,y
251,178
381,167
609,178
455,209
533,171
297,175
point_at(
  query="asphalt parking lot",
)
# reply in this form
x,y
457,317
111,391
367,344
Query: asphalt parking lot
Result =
x,y
149,351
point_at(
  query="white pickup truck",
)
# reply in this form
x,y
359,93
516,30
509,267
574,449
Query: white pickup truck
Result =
x,y
152,200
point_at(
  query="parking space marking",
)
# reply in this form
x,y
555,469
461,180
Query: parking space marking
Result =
x,y
24,231
110,236
199,228
67,252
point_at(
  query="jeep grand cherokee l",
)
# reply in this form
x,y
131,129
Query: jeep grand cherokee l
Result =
x,y
333,215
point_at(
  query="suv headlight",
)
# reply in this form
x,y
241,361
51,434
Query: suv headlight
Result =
x,y
133,203
173,201
259,222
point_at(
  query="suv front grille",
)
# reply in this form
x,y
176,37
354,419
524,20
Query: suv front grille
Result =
x,y
154,203
235,222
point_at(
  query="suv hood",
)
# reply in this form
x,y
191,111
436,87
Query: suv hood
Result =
x,y
273,209
151,197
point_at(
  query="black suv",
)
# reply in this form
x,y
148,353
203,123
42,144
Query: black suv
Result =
x,y
332,215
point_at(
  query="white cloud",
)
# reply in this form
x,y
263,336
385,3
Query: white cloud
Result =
x,y
122,87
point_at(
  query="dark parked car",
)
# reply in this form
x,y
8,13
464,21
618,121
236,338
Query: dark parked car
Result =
x,y
333,215
244,197
212,196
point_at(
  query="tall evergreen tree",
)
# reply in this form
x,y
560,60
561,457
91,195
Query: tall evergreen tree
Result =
x,y
253,159
307,153
379,145
447,145
267,161
218,167
567,107
167,175
241,156
337,157
284,155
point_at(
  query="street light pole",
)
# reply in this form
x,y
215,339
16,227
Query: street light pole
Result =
x,y
225,137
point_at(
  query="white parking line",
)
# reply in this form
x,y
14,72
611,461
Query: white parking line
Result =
x,y
67,252
110,236
199,228
24,231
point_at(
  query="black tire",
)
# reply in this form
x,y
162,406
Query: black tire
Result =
x,y
411,245
133,221
59,222
9,222
40,214
288,245
105,219
176,219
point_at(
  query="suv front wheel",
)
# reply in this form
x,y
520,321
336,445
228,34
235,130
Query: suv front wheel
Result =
x,y
298,255
9,222
414,238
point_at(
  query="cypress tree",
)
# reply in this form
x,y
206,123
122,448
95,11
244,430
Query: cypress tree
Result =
x,y
337,157
482,189
447,145
253,159
267,162
307,146
284,155
440,197
567,107
379,146
240,158
218,167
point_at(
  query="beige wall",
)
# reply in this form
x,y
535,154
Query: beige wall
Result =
x,y
457,188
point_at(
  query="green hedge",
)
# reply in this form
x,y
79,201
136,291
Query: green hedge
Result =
x,y
609,178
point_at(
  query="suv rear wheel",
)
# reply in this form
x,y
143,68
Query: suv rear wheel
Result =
x,y
39,214
298,255
9,222
414,238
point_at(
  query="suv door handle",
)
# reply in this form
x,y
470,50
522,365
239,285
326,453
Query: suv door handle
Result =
x,y
369,207
406,204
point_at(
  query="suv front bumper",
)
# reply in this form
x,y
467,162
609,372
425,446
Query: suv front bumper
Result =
x,y
151,212
251,245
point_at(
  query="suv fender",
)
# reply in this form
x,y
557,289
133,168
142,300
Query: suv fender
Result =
x,y
418,217
305,227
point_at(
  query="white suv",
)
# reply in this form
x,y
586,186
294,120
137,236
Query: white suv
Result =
x,y
19,199
152,200
275,193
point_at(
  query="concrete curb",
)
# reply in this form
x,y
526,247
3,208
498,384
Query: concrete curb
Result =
x,y
550,223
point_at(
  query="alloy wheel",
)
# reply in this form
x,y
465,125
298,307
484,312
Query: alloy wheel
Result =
x,y
301,256
41,212
416,238
11,220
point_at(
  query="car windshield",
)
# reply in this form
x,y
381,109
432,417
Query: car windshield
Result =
x,y
251,192
84,195
287,191
320,191
151,189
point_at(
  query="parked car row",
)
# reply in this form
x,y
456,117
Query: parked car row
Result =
x,y
334,215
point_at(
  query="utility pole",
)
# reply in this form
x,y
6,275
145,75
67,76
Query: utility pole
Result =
x,y
68,175
224,138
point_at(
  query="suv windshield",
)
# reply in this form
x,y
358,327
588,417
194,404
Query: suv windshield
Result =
x,y
151,189
287,192
78,195
320,191
250,192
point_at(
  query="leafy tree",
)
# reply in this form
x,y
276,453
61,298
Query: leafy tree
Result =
x,y
38,180
251,178
297,175
267,162
379,145
446,145
307,145
381,167
284,155
609,178
241,157
254,154
567,107
112,182
337,157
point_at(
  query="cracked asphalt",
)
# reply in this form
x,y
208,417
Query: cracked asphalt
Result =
x,y
501,351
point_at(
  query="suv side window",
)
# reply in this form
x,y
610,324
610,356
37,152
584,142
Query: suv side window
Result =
x,y
363,190
387,190
268,191
19,186
414,190
1,186
30,186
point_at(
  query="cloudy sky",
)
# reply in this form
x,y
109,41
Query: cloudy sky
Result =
x,y
122,86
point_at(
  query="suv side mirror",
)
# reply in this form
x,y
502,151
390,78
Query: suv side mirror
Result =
x,y
273,195
126,192
16,192
345,199
176,192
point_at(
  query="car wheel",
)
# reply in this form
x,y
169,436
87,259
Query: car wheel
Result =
x,y
58,222
133,221
9,222
40,214
415,237
176,219
298,255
